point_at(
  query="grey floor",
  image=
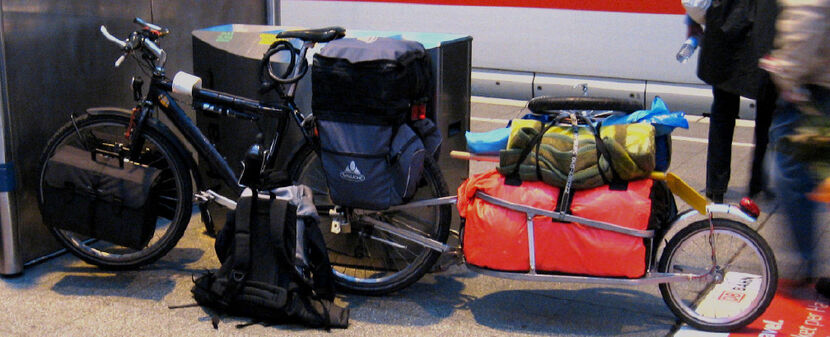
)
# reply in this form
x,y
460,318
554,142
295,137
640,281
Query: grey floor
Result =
x,y
65,297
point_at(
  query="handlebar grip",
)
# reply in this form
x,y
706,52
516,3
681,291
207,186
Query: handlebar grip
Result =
x,y
146,24
112,38
120,59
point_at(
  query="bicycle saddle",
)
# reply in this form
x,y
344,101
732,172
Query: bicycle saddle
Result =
x,y
315,35
550,104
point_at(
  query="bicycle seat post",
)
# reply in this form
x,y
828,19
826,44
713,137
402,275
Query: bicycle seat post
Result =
x,y
301,58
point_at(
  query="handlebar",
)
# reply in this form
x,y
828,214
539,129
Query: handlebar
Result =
x,y
144,39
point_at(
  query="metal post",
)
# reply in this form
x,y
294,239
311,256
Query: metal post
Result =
x,y
272,12
531,243
10,260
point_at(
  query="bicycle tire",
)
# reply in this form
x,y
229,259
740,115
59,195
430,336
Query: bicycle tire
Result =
x,y
345,250
175,189
705,309
551,103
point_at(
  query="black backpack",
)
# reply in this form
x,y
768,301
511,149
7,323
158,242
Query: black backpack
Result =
x,y
275,266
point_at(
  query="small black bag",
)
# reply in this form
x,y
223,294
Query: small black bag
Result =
x,y
100,196
275,265
371,81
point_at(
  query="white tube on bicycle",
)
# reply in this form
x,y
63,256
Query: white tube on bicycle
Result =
x,y
183,83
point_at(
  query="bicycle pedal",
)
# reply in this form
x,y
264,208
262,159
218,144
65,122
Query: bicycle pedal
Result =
x,y
202,197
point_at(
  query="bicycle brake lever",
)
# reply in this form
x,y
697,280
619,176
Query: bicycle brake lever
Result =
x,y
120,43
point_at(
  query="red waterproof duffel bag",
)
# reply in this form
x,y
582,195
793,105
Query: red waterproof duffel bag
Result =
x,y
496,237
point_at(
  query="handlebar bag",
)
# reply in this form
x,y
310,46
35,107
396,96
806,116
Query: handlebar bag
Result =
x,y
100,196
495,237
374,80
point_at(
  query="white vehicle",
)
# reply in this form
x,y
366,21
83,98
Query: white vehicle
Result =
x,y
530,48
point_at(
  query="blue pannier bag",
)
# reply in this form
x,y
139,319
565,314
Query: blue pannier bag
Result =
x,y
363,95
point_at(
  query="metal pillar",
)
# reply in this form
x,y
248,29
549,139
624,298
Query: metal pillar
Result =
x,y
10,260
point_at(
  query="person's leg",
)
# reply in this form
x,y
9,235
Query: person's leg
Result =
x,y
725,108
765,106
792,183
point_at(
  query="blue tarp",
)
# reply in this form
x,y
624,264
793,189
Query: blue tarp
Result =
x,y
659,115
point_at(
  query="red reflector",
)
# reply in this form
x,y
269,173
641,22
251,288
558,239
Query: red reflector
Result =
x,y
419,112
750,207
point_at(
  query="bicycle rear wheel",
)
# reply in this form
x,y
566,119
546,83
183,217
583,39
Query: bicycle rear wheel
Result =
x,y
370,261
741,286
173,188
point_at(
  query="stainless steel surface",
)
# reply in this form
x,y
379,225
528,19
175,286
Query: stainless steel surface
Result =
x,y
59,63
649,278
561,216
451,111
407,235
10,261
272,12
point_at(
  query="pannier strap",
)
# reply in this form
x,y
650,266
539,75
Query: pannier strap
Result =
x,y
616,183
241,249
564,217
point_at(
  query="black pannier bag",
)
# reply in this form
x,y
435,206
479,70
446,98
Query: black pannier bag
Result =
x,y
100,196
369,81
275,265
364,92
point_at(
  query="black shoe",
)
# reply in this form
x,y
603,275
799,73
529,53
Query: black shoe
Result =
x,y
715,197
823,286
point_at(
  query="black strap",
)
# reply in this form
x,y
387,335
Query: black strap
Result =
x,y
241,260
276,223
615,183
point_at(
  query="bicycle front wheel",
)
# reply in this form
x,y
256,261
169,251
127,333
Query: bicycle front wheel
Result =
x,y
173,188
739,286
369,261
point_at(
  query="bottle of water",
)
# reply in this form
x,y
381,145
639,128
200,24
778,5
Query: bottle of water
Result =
x,y
687,49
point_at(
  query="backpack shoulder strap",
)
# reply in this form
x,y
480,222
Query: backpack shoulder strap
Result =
x,y
241,259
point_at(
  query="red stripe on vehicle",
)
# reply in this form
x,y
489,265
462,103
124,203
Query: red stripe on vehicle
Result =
x,y
626,6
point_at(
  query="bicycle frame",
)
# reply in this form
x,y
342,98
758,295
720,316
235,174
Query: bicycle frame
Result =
x,y
159,97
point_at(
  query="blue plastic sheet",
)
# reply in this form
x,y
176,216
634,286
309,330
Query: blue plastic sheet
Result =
x,y
489,142
659,115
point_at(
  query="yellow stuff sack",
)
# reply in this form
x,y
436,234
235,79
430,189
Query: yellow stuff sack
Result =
x,y
631,147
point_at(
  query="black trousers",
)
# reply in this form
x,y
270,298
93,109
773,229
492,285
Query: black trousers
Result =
x,y
725,107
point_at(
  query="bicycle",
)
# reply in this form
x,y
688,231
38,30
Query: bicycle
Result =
x,y
377,252
139,136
